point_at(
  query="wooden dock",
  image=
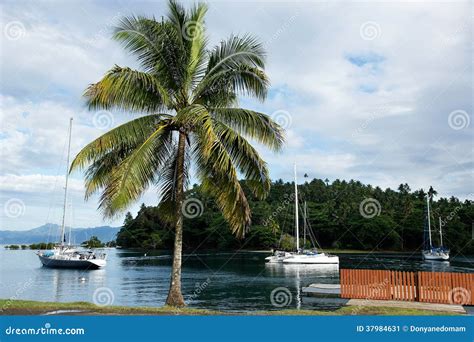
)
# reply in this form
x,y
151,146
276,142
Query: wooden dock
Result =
x,y
430,287
329,295
438,291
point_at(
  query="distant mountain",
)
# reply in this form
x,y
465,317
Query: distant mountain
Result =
x,y
50,232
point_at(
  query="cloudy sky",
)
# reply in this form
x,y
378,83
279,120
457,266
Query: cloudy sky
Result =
x,y
380,92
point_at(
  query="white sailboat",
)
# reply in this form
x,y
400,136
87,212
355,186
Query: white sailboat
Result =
x,y
66,256
429,251
301,256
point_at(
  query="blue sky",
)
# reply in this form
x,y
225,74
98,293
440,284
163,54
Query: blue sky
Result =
x,y
380,92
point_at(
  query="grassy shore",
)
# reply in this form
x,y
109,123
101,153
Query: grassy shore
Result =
x,y
27,307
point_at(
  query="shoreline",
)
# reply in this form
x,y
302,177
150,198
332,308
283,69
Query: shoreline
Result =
x,y
28,307
327,250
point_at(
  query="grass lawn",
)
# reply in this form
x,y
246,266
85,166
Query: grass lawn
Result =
x,y
28,307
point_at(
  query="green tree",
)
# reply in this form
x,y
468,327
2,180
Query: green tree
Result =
x,y
93,242
189,95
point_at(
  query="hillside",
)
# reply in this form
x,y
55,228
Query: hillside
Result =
x,y
50,233
342,215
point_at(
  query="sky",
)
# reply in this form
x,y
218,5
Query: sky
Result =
x,y
380,92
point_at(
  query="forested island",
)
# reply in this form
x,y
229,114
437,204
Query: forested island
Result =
x,y
392,221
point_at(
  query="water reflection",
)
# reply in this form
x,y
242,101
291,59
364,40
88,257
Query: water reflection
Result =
x,y
64,283
304,274
435,266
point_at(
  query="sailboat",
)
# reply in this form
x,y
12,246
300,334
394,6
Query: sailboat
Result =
x,y
429,251
301,256
64,255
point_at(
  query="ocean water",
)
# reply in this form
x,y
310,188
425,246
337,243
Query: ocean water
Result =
x,y
228,281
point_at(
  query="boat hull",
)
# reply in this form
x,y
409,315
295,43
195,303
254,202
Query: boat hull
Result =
x,y
435,256
320,258
73,264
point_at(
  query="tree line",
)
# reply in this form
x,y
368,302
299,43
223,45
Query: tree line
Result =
x,y
341,215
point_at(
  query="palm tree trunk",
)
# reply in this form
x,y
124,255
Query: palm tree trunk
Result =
x,y
175,298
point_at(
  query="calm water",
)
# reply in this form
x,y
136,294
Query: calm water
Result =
x,y
223,281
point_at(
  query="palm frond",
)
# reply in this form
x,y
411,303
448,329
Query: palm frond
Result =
x,y
255,125
157,47
236,66
127,89
129,179
98,173
236,51
194,33
219,178
124,137
246,159
243,79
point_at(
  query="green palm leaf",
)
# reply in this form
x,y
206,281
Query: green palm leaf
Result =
x,y
132,176
128,89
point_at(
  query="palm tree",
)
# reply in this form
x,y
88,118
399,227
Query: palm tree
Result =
x,y
432,192
187,97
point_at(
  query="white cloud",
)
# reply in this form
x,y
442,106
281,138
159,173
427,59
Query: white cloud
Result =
x,y
38,183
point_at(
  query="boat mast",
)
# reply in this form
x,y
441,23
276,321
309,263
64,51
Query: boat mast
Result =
x,y
440,232
304,226
429,221
296,215
65,187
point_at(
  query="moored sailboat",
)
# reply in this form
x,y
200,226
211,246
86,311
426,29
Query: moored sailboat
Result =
x,y
301,256
431,252
66,256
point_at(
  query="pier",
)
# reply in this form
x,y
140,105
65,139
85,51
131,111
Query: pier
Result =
x,y
438,291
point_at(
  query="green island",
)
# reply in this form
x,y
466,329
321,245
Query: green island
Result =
x,y
93,242
27,307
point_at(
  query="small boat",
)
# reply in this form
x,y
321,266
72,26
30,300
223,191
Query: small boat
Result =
x,y
301,256
64,255
431,252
